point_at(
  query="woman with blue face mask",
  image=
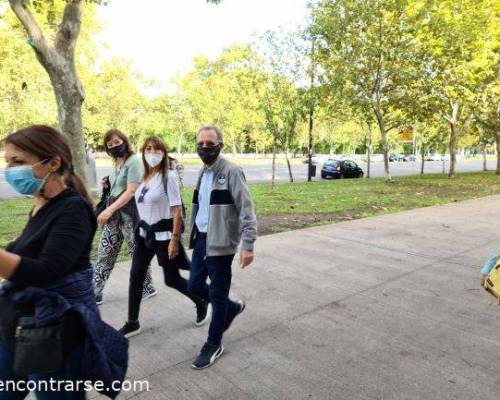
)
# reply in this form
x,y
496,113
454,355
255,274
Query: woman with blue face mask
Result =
x,y
48,291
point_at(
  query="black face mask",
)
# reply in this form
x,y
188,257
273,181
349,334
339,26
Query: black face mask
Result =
x,y
209,154
118,151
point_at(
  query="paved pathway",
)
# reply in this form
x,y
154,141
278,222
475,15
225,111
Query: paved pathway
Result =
x,y
382,308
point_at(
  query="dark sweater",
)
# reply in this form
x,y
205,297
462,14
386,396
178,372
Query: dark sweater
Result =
x,y
56,241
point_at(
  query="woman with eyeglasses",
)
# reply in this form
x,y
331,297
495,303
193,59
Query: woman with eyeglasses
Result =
x,y
117,219
159,206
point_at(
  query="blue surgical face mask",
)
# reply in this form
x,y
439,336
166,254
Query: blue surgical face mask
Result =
x,y
22,179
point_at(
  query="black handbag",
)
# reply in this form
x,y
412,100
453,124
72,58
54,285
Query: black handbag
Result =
x,y
9,316
103,202
38,350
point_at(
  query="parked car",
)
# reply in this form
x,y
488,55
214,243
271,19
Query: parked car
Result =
x,y
437,157
395,157
409,157
339,169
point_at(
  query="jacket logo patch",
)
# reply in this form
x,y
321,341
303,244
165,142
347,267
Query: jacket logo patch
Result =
x,y
221,179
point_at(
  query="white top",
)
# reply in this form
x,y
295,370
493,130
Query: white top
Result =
x,y
156,204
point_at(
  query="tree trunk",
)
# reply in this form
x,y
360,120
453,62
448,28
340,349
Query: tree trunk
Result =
x,y
287,157
498,152
422,154
385,144
179,144
273,179
453,149
58,60
289,167
454,133
368,150
485,160
310,144
69,99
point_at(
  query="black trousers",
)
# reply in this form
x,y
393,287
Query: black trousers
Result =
x,y
140,262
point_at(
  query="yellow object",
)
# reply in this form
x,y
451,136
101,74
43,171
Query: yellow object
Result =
x,y
492,281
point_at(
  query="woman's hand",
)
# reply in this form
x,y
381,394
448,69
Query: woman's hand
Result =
x,y
9,262
104,217
173,248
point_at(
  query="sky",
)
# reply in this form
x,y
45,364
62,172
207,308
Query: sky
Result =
x,y
161,37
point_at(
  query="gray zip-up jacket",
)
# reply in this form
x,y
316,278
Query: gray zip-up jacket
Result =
x,y
231,216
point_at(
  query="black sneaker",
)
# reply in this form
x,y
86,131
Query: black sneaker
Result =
x,y
203,313
130,329
98,300
208,355
148,295
231,319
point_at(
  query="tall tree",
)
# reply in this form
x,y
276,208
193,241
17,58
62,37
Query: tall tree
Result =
x,y
487,114
56,53
282,101
365,49
455,42
222,92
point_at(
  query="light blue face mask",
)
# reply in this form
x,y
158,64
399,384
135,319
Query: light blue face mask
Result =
x,y
22,179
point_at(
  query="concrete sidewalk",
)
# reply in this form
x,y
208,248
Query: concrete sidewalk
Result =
x,y
382,308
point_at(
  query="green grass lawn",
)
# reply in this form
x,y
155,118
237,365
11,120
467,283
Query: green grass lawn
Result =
x,y
297,205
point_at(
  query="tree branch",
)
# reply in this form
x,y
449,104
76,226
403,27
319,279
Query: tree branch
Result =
x,y
376,86
391,127
446,117
69,29
36,37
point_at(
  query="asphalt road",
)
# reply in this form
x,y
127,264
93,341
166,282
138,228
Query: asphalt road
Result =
x,y
262,173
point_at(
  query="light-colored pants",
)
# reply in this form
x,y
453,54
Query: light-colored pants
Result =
x,y
113,235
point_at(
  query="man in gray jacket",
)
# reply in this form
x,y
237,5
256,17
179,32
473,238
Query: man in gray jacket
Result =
x,y
222,216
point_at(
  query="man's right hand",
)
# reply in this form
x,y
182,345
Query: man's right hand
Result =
x,y
246,258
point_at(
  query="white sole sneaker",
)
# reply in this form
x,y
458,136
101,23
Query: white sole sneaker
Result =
x,y
213,359
133,333
207,317
149,295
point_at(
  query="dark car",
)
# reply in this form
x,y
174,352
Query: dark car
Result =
x,y
396,157
339,169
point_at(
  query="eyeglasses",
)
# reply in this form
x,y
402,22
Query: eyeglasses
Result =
x,y
143,193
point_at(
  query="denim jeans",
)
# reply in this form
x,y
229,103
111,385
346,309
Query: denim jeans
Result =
x,y
218,269
71,371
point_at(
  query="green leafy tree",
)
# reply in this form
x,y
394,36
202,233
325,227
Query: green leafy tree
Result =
x,y
53,28
365,50
455,42
283,103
